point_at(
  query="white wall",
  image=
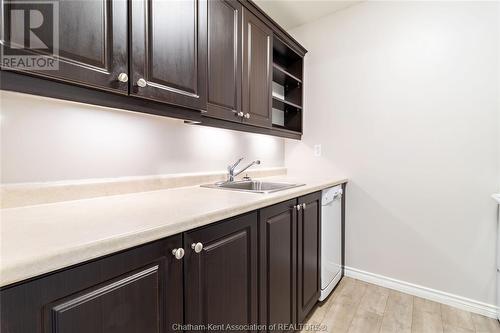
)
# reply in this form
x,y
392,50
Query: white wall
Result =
x,y
403,96
49,140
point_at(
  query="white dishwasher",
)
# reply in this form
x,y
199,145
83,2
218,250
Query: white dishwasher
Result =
x,y
331,239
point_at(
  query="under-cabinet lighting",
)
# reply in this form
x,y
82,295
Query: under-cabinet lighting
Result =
x,y
192,122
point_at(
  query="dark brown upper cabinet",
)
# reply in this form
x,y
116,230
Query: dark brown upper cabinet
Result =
x,y
168,51
221,63
221,284
308,254
224,60
138,290
278,253
92,43
257,70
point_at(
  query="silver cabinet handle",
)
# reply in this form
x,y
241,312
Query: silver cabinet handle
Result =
x,y
178,253
123,77
197,247
240,114
247,115
304,205
298,207
142,83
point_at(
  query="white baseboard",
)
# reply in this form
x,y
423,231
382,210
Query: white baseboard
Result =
x,y
488,310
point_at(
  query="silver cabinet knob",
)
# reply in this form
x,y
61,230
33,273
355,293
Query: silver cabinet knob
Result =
x,y
247,115
142,83
197,247
123,77
298,207
178,253
240,114
304,205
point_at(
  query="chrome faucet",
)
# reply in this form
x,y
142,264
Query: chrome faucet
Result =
x,y
230,169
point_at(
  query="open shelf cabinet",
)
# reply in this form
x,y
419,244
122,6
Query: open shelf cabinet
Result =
x,y
287,87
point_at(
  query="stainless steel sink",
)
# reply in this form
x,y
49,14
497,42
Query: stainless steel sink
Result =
x,y
254,186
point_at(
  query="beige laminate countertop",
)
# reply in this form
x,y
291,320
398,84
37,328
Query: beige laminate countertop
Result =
x,y
43,238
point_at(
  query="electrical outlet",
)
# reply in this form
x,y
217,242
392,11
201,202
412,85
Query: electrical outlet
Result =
x,y
317,150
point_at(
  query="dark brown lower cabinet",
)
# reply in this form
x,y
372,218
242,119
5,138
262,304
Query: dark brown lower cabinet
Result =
x,y
308,254
261,267
290,261
138,290
221,279
278,253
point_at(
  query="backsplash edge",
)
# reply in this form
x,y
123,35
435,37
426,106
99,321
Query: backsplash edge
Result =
x,y
28,194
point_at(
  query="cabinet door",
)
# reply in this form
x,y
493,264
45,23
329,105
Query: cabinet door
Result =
x,y
257,71
138,290
92,40
221,279
224,59
309,254
168,51
278,255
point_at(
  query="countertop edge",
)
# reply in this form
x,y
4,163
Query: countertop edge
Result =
x,y
37,267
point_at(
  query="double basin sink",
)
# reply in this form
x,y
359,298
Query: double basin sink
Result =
x,y
253,186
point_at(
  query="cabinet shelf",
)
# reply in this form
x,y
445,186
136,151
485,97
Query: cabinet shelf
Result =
x,y
287,58
287,88
281,76
281,103
285,129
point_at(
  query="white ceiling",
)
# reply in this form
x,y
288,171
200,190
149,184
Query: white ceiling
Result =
x,y
292,13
